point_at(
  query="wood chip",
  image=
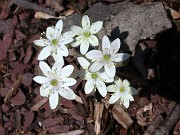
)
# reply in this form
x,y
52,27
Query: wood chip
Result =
x,y
14,89
41,15
74,132
39,104
121,116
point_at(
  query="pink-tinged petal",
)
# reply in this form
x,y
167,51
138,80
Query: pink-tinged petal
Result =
x,y
85,22
41,42
62,49
83,62
93,40
89,86
94,55
54,100
126,83
45,90
84,47
111,88
41,79
110,69
50,33
58,56
44,68
119,57
58,65
100,85
67,71
96,27
68,82
105,45
114,98
96,65
58,28
115,45
45,52
76,30
67,93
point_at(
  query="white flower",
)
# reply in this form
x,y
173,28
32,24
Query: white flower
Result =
x,y
122,92
56,82
85,35
107,57
55,43
94,80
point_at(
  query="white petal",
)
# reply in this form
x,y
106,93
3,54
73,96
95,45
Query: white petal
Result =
x,y
58,28
67,93
45,90
45,52
93,40
95,27
89,86
40,79
50,33
84,47
58,56
67,71
126,103
68,82
130,97
66,38
96,65
111,88
76,30
58,65
44,68
83,62
101,88
105,45
105,78
54,100
114,98
110,69
119,57
94,55
85,22
115,45
126,83
68,34
41,42
118,82
62,49
132,90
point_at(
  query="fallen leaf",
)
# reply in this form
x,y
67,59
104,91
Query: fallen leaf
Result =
x,y
99,107
174,13
69,12
41,15
121,116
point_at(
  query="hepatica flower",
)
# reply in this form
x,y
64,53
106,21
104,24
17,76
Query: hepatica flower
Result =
x,y
56,82
122,92
94,80
55,44
107,57
85,35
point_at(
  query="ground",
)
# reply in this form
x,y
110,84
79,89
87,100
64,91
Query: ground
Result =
x,y
24,111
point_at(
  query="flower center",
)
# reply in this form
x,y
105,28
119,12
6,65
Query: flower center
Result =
x,y
54,42
106,57
54,82
122,89
94,75
86,34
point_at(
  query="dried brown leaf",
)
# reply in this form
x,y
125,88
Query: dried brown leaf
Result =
x,y
69,12
14,88
174,13
121,116
99,107
41,15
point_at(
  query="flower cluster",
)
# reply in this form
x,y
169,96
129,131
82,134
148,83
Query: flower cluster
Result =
x,y
99,69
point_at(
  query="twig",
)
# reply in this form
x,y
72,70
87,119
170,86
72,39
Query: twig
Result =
x,y
170,121
39,104
75,132
29,5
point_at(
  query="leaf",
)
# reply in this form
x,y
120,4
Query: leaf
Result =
x,y
121,116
